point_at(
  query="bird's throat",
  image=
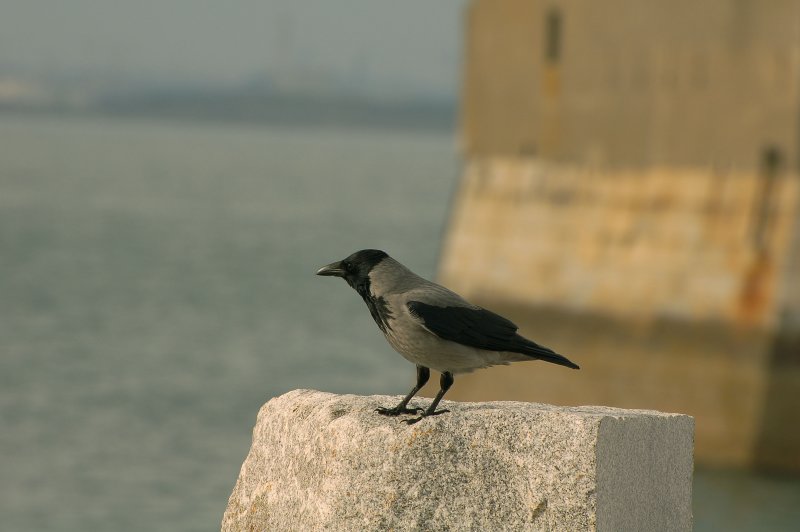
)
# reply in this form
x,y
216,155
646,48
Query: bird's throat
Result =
x,y
377,306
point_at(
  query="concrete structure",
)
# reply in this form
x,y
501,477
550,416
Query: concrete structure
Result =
x,y
630,196
328,462
634,84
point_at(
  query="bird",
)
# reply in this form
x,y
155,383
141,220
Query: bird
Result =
x,y
432,326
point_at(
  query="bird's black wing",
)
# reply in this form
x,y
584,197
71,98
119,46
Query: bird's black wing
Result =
x,y
482,329
472,326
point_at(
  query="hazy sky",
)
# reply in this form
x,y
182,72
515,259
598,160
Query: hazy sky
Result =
x,y
404,45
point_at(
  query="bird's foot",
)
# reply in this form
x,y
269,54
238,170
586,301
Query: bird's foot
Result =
x,y
424,415
396,411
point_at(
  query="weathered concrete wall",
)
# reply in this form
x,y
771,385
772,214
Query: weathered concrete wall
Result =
x,y
657,243
653,282
637,83
631,196
327,462
789,287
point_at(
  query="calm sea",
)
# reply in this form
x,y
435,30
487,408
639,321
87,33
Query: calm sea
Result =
x,y
157,286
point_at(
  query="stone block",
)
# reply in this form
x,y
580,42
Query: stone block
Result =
x,y
321,461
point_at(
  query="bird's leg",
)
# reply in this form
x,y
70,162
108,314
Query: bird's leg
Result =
x,y
446,381
423,374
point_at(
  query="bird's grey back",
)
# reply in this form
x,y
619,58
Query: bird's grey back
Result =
x,y
391,277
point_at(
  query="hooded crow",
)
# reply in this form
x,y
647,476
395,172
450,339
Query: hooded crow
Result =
x,y
432,326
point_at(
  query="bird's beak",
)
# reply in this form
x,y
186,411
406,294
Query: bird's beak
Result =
x,y
333,269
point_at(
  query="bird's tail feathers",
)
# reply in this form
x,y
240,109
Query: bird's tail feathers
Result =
x,y
532,349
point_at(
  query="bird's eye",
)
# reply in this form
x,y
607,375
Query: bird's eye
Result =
x,y
347,266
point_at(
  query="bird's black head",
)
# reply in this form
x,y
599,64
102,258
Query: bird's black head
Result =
x,y
355,268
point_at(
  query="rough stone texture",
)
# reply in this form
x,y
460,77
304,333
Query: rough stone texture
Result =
x,y
321,461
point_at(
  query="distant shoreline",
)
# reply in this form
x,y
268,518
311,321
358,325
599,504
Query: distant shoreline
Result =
x,y
259,108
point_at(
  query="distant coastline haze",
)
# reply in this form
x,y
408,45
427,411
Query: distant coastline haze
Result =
x,y
125,57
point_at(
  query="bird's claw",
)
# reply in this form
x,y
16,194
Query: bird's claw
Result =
x,y
423,416
396,411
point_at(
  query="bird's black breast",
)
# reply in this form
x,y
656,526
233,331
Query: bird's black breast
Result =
x,y
377,306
